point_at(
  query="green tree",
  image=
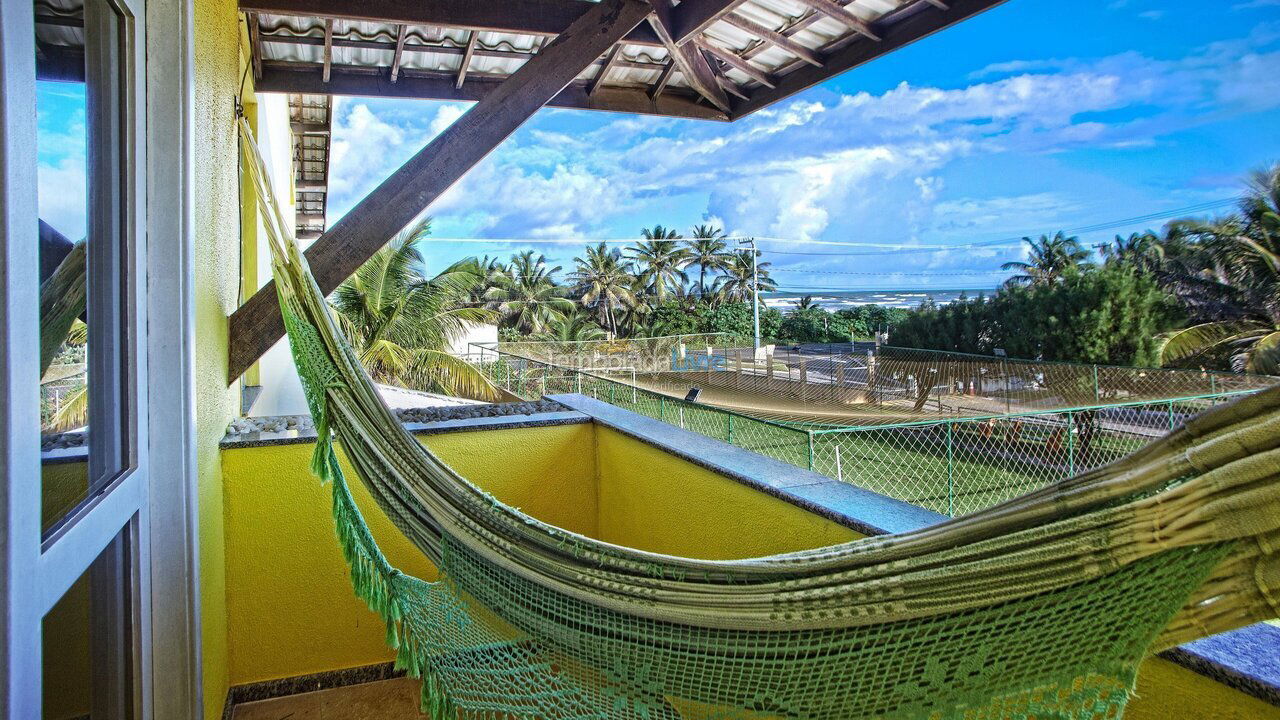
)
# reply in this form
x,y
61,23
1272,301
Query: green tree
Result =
x,y
1112,315
1049,258
731,318
735,284
1143,251
672,318
660,263
401,323
576,326
525,293
806,303
604,281
709,251
658,232
1229,281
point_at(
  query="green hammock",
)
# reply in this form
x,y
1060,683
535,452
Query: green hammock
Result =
x,y
1041,607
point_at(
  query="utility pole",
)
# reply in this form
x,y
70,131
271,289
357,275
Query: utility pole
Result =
x,y
755,291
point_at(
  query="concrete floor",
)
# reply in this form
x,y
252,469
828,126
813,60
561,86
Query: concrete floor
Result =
x,y
385,700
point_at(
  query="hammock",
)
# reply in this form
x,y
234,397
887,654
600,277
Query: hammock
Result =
x,y
1041,607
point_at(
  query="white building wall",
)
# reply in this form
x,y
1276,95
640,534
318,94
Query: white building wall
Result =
x,y
281,389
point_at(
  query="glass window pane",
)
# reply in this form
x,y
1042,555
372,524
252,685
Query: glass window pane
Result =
x,y
83,194
88,643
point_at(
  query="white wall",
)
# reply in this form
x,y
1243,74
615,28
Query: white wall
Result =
x,y
281,390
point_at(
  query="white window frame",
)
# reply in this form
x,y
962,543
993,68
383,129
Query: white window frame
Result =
x,y
141,527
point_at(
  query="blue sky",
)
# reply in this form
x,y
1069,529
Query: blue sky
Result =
x,y
1027,119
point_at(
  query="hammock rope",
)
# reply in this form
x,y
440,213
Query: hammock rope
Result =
x,y
1043,606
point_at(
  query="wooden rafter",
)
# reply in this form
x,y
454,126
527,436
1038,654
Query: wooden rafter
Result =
x,y
278,76
693,66
810,17
840,13
401,33
598,81
663,79
525,17
738,63
257,324
255,44
773,37
691,17
328,47
466,58
918,22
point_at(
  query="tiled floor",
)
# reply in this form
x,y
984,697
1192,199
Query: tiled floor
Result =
x,y
385,700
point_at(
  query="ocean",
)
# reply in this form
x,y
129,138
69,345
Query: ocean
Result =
x,y
839,300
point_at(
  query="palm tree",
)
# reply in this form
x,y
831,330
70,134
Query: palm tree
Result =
x,y
807,303
401,323
708,250
735,284
604,281
1050,258
1140,250
658,232
574,327
660,261
526,295
1230,283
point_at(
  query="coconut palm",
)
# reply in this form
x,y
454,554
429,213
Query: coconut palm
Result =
x,y
401,323
807,303
709,251
526,295
1143,251
659,262
658,232
1049,257
1231,283
735,284
604,281
576,326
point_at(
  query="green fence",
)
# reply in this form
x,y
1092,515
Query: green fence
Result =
x,y
952,466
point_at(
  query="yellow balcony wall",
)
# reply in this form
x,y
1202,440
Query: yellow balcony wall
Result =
x,y
289,603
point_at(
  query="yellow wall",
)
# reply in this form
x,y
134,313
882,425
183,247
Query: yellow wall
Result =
x,y
290,606
655,501
216,285
1168,691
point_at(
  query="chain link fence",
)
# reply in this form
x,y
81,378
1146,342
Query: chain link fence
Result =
x,y
951,465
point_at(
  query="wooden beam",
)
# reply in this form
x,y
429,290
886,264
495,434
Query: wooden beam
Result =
x,y
367,227
328,47
284,77
691,17
255,44
525,17
692,65
838,12
731,87
598,81
401,33
312,128
773,37
466,58
738,63
900,29
663,79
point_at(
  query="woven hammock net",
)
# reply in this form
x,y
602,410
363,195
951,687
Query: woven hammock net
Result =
x,y
1041,607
